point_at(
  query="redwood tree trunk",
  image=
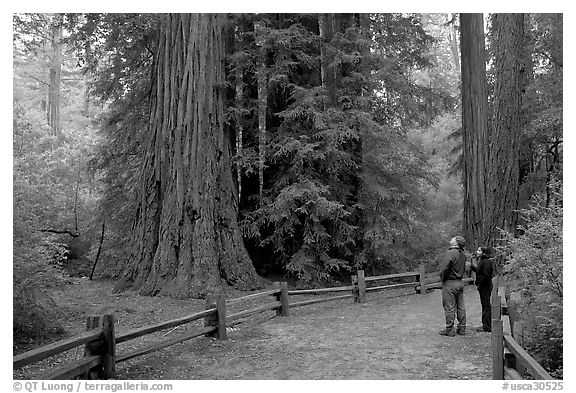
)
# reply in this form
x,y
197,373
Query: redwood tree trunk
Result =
x,y
186,236
239,147
262,82
502,175
326,27
452,34
475,126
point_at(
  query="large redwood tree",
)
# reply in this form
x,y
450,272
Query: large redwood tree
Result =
x,y
186,240
491,134
502,164
475,126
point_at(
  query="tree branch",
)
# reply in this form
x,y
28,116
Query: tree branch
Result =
x,y
59,232
36,79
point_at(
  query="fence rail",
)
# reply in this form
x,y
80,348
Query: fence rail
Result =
x,y
321,290
139,332
164,344
47,351
100,340
77,368
321,300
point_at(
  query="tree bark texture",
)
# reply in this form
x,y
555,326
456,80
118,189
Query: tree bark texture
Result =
x,y
453,36
53,107
326,27
503,157
262,81
239,146
186,236
475,126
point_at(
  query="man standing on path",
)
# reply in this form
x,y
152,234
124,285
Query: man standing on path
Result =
x,y
451,273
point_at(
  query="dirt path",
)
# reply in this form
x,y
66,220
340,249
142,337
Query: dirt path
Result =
x,y
389,337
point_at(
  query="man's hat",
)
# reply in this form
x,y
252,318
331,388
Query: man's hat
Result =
x,y
460,241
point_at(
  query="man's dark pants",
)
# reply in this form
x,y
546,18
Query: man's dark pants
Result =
x,y
485,291
453,303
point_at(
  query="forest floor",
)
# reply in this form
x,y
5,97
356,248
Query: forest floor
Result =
x,y
394,335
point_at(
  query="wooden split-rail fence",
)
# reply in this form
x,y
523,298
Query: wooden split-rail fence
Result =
x,y
509,359
100,341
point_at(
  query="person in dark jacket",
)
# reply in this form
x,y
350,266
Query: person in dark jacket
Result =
x,y
451,273
484,268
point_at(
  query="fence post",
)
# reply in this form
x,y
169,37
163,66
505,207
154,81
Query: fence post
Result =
x,y
282,297
92,322
210,320
497,349
422,279
495,284
361,287
355,289
496,307
221,317
109,347
105,348
278,297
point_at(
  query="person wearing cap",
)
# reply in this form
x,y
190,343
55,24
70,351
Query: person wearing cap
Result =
x,y
484,268
452,270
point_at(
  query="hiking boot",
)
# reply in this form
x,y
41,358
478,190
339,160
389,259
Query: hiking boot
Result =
x,y
482,329
461,331
447,332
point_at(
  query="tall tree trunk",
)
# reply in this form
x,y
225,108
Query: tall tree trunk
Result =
x,y
502,166
262,80
76,198
88,56
239,108
363,245
187,241
475,125
53,105
98,252
453,37
86,103
89,64
326,26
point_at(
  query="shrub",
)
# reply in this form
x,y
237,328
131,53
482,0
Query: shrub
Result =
x,y
35,315
534,270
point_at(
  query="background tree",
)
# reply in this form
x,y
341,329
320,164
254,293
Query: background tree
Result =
x,y
54,196
533,267
542,107
53,103
339,105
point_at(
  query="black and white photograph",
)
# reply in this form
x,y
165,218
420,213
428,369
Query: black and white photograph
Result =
x,y
373,196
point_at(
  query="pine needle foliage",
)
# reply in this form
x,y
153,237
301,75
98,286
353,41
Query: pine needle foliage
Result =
x,y
342,182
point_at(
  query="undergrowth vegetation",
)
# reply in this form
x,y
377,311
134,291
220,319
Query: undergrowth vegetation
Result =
x,y
534,270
